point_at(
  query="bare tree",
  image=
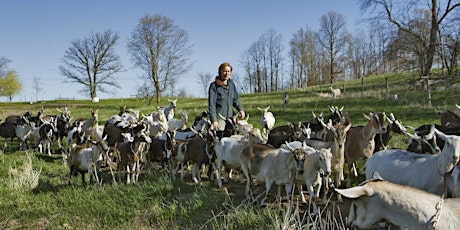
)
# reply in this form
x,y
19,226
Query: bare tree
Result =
x,y
256,56
399,14
304,53
3,66
92,62
160,48
36,86
274,48
332,36
204,79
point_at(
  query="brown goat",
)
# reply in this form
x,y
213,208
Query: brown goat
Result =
x,y
130,154
199,151
360,141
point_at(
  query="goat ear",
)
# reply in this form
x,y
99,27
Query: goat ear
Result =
x,y
355,192
259,108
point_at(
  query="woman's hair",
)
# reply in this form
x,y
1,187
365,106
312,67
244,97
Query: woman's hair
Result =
x,y
223,65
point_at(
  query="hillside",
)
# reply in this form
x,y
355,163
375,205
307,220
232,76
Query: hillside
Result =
x,y
157,203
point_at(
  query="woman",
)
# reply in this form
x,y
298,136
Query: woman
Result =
x,y
222,98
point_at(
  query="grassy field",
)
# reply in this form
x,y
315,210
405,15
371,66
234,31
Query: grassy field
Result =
x,y
157,203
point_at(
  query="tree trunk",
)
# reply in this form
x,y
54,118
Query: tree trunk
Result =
x,y
430,51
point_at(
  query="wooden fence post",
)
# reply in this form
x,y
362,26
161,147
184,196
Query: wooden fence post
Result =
x,y
428,92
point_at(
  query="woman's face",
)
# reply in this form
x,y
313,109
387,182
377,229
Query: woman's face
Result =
x,y
226,72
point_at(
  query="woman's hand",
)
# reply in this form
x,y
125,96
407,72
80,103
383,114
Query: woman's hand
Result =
x,y
215,125
241,114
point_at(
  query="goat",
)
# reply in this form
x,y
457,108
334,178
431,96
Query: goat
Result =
x,y
75,135
175,124
228,150
285,99
23,131
377,200
46,132
169,111
89,123
8,131
335,92
271,166
422,171
337,147
62,123
317,126
130,153
14,118
360,141
267,120
337,116
290,132
157,123
317,163
449,118
199,151
382,139
84,158
425,139
161,151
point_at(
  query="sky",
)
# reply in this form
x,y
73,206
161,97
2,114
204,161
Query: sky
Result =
x,y
35,35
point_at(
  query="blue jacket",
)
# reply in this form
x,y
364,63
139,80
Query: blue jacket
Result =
x,y
222,99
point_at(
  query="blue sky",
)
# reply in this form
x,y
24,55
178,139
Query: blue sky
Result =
x,y
35,34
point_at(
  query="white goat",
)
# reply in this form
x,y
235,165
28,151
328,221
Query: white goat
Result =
x,y
377,200
317,163
421,171
228,150
335,92
271,166
169,111
175,124
267,120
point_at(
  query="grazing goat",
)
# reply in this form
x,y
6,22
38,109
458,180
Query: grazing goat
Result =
x,y
378,200
271,166
360,141
84,158
130,153
267,120
169,111
422,171
317,164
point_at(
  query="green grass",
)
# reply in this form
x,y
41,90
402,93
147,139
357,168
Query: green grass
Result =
x,y
156,203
